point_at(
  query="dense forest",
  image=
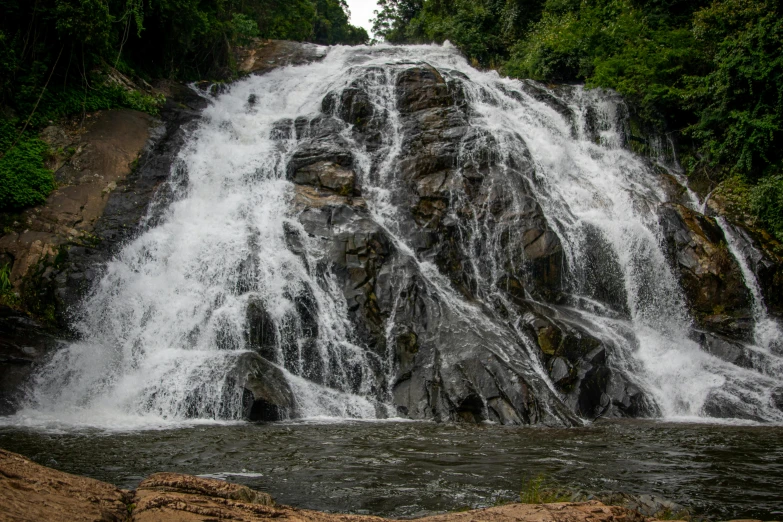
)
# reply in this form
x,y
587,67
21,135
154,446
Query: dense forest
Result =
x,y
56,55
710,72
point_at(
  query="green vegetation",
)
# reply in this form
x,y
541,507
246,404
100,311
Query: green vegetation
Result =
x,y
539,491
766,202
7,295
709,70
24,180
57,56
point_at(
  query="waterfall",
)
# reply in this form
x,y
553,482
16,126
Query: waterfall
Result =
x,y
164,334
767,332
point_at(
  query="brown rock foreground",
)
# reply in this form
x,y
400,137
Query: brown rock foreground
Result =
x,y
30,492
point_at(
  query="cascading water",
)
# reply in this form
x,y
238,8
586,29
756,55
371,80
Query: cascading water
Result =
x,y
164,332
767,332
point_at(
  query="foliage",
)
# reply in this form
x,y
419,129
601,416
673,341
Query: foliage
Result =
x,y
734,193
766,202
192,39
245,28
188,39
538,491
483,29
24,180
332,27
7,295
626,45
740,101
62,102
393,19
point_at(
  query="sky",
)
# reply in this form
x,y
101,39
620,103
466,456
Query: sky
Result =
x,y
362,12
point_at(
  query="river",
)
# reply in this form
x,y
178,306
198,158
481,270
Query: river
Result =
x,y
406,469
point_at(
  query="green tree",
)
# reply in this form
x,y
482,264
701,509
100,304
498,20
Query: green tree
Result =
x,y
332,27
740,101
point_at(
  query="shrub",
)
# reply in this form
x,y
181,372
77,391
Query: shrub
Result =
x,y
5,280
766,201
538,491
24,180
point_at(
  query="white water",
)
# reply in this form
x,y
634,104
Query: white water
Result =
x,y
164,328
767,331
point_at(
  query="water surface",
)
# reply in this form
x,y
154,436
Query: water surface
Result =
x,y
404,469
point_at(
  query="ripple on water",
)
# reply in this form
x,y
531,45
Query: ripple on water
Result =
x,y
404,469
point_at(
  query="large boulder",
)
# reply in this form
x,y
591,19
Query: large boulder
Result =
x,y
433,361
578,365
267,395
260,56
465,198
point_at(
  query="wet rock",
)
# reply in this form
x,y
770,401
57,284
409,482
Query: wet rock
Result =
x,y
24,346
718,406
599,274
267,395
763,251
423,87
578,364
764,255
261,56
327,175
455,177
467,210
769,272
561,371
777,398
321,150
709,274
261,332
729,351
312,197
445,368
352,105
535,90
190,485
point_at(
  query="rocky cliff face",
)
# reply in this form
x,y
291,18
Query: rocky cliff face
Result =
x,y
458,202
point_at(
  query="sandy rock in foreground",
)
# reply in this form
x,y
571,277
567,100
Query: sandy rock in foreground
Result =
x,y
175,506
36,493
31,492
